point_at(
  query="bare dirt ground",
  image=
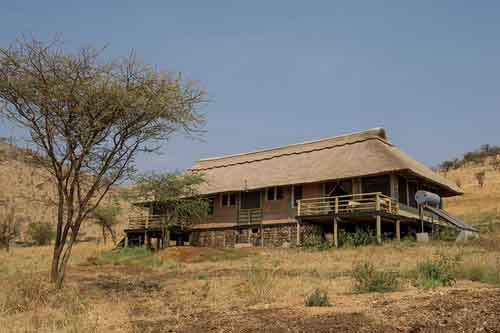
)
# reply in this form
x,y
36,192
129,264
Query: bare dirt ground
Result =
x,y
187,289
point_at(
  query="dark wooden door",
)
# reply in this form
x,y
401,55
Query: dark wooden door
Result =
x,y
250,200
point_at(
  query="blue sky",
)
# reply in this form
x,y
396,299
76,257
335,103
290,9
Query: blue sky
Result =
x,y
281,72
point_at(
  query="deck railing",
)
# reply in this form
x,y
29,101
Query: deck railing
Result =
x,y
362,202
140,222
249,216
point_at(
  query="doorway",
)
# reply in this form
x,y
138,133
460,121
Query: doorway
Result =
x,y
250,200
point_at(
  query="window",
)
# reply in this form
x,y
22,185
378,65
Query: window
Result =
x,y
274,193
255,230
412,190
228,199
211,207
403,190
271,192
279,193
296,194
377,184
338,188
232,199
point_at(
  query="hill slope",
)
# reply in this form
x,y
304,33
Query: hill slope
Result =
x,y
28,189
479,204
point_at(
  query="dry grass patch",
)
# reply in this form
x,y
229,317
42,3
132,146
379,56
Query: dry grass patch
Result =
x,y
42,308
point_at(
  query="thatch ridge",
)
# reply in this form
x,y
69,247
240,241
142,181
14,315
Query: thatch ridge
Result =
x,y
295,148
348,156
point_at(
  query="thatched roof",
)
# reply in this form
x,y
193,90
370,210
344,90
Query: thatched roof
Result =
x,y
347,156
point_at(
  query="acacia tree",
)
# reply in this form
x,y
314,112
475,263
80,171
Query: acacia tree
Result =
x,y
480,177
107,217
174,195
87,120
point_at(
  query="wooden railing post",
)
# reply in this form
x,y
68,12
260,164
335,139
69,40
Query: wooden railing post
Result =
x,y
299,204
377,201
336,205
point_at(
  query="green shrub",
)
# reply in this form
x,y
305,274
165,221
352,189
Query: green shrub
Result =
x,y
360,237
40,233
447,234
128,256
436,272
202,276
316,242
317,298
368,279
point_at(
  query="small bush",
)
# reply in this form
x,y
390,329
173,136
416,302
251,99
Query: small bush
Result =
x,y
40,233
317,298
436,272
480,177
360,237
260,282
316,242
447,234
368,279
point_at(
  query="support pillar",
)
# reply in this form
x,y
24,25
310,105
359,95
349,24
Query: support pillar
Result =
x,y
126,240
398,230
379,229
298,232
335,231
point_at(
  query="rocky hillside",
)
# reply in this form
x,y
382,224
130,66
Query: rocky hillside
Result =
x,y
26,188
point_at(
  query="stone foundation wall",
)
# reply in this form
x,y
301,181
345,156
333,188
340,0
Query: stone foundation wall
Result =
x,y
271,235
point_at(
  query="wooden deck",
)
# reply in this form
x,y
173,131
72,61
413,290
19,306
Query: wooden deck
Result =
x,y
348,205
144,222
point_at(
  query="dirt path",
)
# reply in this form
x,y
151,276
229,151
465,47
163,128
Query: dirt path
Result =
x,y
453,311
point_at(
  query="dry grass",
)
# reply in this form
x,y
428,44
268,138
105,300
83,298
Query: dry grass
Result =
x,y
32,192
185,288
477,201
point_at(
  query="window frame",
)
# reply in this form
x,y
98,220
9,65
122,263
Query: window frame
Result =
x,y
228,199
275,190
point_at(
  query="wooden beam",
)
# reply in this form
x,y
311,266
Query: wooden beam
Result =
x,y
379,229
398,230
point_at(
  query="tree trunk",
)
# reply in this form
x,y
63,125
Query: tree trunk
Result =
x,y
56,257
62,252
58,242
104,233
